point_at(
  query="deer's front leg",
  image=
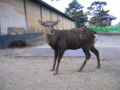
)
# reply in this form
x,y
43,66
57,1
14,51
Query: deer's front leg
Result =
x,y
55,58
60,55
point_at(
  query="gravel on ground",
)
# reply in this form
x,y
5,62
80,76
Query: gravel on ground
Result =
x,y
32,73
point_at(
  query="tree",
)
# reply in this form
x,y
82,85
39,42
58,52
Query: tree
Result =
x,y
97,11
75,11
98,5
118,23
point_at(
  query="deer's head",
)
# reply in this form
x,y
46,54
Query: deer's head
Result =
x,y
49,25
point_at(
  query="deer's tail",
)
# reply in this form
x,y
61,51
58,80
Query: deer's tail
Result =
x,y
96,36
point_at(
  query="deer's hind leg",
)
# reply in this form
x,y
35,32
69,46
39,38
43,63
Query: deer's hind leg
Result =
x,y
95,51
87,54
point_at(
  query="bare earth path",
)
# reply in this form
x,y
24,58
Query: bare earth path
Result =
x,y
25,72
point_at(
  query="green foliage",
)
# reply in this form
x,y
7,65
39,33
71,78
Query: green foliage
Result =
x,y
110,28
75,10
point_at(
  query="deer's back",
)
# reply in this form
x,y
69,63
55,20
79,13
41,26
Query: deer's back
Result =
x,y
72,39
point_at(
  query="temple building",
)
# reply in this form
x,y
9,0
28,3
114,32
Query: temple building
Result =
x,y
107,19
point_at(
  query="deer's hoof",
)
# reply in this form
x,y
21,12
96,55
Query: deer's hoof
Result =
x,y
55,73
52,70
79,70
98,66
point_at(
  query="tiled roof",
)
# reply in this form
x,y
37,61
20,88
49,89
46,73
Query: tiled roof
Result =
x,y
109,16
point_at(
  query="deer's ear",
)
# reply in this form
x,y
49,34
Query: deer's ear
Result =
x,y
41,22
56,22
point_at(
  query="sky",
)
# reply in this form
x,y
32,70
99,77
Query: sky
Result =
x,y
112,5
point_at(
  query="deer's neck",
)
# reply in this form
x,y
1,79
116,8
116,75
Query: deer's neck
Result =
x,y
47,37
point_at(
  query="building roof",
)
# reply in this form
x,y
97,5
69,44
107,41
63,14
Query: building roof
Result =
x,y
109,16
44,4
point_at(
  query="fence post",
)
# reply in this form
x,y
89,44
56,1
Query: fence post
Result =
x,y
0,29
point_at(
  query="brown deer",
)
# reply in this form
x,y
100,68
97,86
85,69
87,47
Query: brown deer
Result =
x,y
61,40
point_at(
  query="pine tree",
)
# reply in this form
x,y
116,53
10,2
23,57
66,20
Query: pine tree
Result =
x,y
75,10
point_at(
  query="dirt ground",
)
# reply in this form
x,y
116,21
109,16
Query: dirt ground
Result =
x,y
32,72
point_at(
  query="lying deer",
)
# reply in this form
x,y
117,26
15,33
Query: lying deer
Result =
x,y
61,40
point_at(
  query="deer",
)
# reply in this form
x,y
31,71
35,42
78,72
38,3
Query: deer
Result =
x,y
62,40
